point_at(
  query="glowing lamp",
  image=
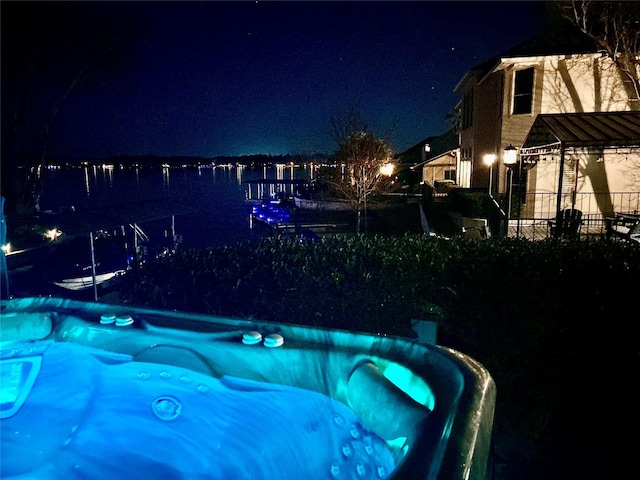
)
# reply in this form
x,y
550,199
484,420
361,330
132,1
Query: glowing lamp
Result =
x,y
387,169
53,234
510,156
489,159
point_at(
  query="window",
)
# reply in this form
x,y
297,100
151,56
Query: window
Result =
x,y
467,110
450,175
523,91
501,106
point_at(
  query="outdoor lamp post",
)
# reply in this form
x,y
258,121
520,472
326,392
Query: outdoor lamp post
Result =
x,y
387,169
510,160
425,151
489,159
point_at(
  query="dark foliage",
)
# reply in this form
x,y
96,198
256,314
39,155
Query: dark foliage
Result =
x,y
552,321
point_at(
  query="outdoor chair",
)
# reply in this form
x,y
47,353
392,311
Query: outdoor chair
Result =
x,y
625,226
567,224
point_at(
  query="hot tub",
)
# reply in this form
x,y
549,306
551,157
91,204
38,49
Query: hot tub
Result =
x,y
430,407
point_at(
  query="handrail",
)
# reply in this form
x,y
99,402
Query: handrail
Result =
x,y
497,205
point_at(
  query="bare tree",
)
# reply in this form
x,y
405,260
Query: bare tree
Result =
x,y
345,125
363,165
615,28
47,52
454,118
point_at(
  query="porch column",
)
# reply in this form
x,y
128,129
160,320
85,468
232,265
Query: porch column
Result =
x,y
559,197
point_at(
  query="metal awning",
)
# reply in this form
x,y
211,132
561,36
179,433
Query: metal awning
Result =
x,y
568,133
551,132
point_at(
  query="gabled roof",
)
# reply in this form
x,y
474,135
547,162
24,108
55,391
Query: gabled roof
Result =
x,y
439,144
448,154
562,38
594,129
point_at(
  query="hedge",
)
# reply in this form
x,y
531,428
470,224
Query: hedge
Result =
x,y
552,321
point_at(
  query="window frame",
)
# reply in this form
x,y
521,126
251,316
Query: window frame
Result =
x,y
519,97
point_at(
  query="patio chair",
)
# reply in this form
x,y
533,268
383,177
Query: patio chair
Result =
x,y
625,226
567,224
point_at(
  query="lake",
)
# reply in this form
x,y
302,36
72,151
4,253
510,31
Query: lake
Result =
x,y
208,204
205,206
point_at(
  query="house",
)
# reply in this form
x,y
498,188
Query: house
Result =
x,y
568,111
438,159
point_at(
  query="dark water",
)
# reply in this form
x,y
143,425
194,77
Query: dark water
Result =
x,y
207,203
206,207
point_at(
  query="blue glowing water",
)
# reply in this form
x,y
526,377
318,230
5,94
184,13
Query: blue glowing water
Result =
x,y
93,414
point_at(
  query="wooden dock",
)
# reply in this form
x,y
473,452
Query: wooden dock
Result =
x,y
300,227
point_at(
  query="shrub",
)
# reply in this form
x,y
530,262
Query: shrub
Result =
x,y
550,320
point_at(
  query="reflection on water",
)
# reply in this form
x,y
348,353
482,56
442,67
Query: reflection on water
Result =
x,y
196,207
240,171
165,176
213,196
87,184
202,206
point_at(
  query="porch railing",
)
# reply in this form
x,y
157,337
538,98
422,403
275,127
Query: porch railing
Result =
x,y
531,212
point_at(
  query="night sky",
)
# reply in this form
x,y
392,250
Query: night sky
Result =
x,y
244,77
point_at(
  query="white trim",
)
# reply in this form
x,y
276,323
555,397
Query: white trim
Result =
x,y
451,153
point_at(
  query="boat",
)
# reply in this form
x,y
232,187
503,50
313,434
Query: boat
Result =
x,y
322,205
79,270
80,262
93,391
97,258
313,196
260,201
271,213
87,281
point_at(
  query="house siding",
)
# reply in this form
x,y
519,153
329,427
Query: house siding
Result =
x,y
561,84
441,169
488,113
613,174
585,83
